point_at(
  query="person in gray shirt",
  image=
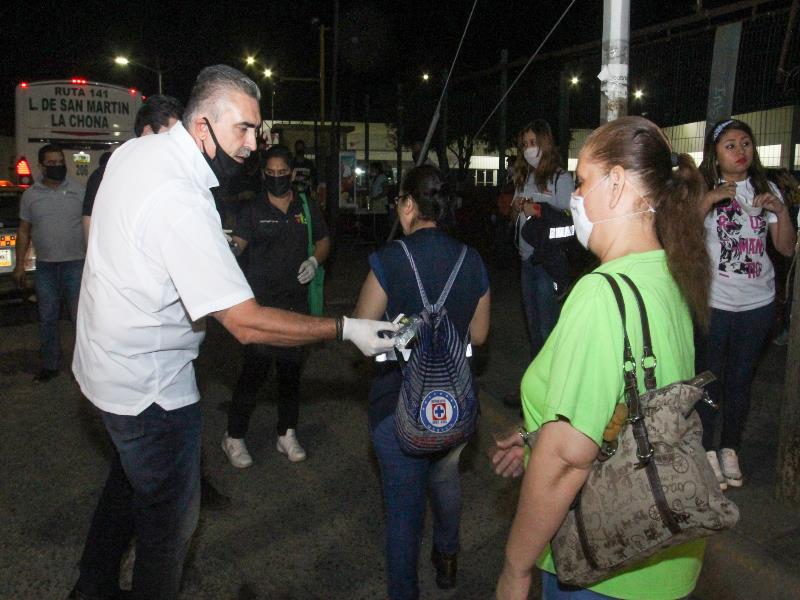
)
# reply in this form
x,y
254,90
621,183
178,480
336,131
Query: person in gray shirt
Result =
x,y
50,216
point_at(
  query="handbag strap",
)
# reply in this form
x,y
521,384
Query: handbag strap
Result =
x,y
648,357
447,286
644,450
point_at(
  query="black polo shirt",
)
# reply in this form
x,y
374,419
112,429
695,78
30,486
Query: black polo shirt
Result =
x,y
277,244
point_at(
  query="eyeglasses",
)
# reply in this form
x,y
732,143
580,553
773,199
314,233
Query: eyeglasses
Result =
x,y
400,198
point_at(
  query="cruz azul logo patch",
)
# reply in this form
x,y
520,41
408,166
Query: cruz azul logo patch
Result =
x,y
438,411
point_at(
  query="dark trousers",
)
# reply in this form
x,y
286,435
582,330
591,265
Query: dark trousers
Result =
x,y
258,360
730,350
152,492
55,281
407,482
540,303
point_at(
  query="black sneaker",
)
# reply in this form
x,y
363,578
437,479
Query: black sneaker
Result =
x,y
446,566
46,375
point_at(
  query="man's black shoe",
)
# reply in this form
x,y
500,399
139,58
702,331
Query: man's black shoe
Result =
x,y
446,567
46,375
211,498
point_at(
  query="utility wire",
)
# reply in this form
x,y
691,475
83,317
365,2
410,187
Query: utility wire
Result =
x,y
435,119
527,64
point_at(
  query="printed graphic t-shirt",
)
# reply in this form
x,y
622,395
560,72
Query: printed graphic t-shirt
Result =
x,y
578,376
742,274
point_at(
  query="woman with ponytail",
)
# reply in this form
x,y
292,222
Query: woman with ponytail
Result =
x,y
634,208
423,207
538,178
740,207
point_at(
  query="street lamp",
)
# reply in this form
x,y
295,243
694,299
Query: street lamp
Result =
x,y
267,73
124,62
250,61
638,94
425,77
574,80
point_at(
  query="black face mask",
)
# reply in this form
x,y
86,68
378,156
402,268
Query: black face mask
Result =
x,y
55,172
223,165
277,185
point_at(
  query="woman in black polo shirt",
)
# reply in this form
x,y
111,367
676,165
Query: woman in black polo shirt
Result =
x,y
391,289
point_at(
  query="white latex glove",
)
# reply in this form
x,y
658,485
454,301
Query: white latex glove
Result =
x,y
307,270
364,334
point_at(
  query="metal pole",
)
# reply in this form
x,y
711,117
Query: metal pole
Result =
x,y
501,134
443,129
366,133
614,72
160,88
399,134
322,75
272,103
333,196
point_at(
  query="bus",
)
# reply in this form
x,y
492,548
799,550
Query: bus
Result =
x,y
86,118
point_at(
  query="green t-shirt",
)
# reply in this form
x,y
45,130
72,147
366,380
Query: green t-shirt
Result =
x,y
578,376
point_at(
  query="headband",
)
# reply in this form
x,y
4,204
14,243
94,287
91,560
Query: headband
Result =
x,y
718,129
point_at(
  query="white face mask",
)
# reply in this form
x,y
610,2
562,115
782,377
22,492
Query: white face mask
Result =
x,y
583,226
533,154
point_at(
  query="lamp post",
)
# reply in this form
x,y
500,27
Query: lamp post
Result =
x,y
124,61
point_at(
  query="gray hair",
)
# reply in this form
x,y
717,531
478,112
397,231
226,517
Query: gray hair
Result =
x,y
210,87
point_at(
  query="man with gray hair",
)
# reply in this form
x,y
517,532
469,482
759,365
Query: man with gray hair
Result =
x,y
157,264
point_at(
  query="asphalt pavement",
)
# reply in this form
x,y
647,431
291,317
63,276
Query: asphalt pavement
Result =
x,y
314,530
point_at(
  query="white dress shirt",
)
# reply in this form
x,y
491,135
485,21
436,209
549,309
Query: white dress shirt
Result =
x,y
157,263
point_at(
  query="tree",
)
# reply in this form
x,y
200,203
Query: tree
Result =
x,y
459,115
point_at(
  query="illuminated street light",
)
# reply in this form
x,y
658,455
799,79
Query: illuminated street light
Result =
x,y
124,62
267,72
574,80
250,61
425,77
638,94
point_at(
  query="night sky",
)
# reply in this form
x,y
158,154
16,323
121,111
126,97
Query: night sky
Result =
x,y
382,43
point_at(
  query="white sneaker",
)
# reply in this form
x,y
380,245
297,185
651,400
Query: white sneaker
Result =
x,y
236,451
714,462
288,445
730,467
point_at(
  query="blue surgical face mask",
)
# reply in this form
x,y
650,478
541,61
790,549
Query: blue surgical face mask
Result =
x,y
583,226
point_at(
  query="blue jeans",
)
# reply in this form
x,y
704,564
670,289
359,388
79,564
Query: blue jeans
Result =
x,y
55,281
553,589
152,492
407,480
539,301
730,350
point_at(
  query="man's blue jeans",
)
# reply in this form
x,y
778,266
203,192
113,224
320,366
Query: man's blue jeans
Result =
x,y
152,492
541,305
407,480
55,281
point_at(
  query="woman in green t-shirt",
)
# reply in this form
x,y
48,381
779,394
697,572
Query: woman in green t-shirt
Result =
x,y
633,207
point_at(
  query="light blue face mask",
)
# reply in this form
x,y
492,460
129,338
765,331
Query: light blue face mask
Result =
x,y
583,226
